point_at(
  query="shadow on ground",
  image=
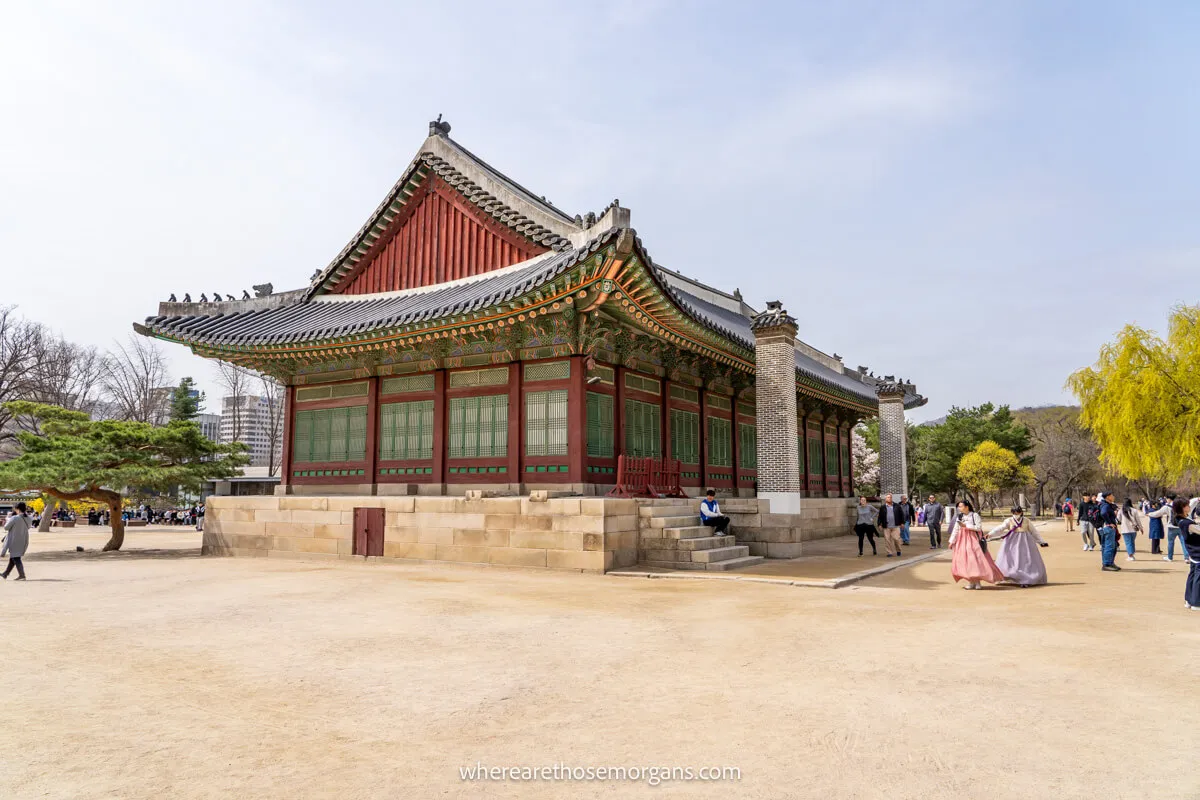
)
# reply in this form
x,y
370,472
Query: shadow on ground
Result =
x,y
173,553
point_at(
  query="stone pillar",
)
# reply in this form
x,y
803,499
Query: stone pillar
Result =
x,y
893,456
775,391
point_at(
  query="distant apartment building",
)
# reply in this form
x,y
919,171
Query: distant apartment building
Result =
x,y
210,426
247,419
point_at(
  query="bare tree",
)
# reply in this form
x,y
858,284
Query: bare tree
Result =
x,y
135,381
1065,456
19,341
273,395
236,383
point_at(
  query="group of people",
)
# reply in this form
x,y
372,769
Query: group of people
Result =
x,y
1101,519
896,520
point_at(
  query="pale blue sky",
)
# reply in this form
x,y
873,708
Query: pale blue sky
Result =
x,y
971,195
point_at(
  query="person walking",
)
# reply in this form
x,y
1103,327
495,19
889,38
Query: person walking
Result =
x,y
1087,529
1105,516
16,542
1068,512
1019,559
1130,526
890,518
934,512
865,526
1190,533
908,518
970,561
710,514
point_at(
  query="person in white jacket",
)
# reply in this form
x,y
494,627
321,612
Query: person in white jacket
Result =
x,y
1129,525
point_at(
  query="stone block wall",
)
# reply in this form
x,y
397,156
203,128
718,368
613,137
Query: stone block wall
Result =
x,y
584,534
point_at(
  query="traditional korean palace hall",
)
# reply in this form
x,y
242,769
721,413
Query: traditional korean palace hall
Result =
x,y
465,375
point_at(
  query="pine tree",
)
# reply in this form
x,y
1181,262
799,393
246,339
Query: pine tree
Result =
x,y
186,401
77,458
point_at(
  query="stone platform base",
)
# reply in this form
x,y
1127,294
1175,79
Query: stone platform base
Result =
x,y
574,533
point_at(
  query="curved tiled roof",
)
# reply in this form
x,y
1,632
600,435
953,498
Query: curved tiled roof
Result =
x,y
330,317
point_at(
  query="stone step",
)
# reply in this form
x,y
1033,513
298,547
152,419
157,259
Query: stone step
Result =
x,y
706,542
675,564
733,563
720,554
674,522
681,507
689,532
697,543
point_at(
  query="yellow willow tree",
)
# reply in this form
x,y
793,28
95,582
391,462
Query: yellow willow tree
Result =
x,y
1141,399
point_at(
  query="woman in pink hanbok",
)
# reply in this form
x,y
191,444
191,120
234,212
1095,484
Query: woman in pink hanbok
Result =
x,y
970,562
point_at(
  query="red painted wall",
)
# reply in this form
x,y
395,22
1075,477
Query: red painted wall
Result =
x,y
439,236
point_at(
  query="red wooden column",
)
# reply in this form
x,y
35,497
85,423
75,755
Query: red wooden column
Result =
x,y
439,427
619,412
372,431
849,492
289,407
704,482
733,438
577,421
516,423
825,458
664,430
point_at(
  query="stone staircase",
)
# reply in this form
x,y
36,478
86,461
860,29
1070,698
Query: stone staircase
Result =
x,y
671,537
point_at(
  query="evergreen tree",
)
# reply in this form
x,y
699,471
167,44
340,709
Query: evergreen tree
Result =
x,y
186,401
77,458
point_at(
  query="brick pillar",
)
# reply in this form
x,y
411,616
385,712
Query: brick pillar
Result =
x,y
893,458
775,390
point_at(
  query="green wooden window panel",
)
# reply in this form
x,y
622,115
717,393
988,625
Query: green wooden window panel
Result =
x,y
643,429
330,434
845,460
831,458
747,446
747,409
479,427
685,436
407,383
718,401
497,376
642,383
719,446
406,430
599,425
685,394
546,423
814,456
606,374
552,371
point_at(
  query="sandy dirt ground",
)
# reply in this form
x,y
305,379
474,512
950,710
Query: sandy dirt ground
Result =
x,y
160,674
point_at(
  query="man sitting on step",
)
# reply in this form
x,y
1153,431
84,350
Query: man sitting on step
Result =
x,y
710,514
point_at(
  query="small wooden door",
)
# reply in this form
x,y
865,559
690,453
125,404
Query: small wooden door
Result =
x,y
368,531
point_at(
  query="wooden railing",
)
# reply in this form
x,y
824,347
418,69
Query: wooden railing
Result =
x,y
648,477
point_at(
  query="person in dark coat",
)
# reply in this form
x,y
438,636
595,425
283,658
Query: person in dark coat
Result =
x,y
934,513
1190,530
891,520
